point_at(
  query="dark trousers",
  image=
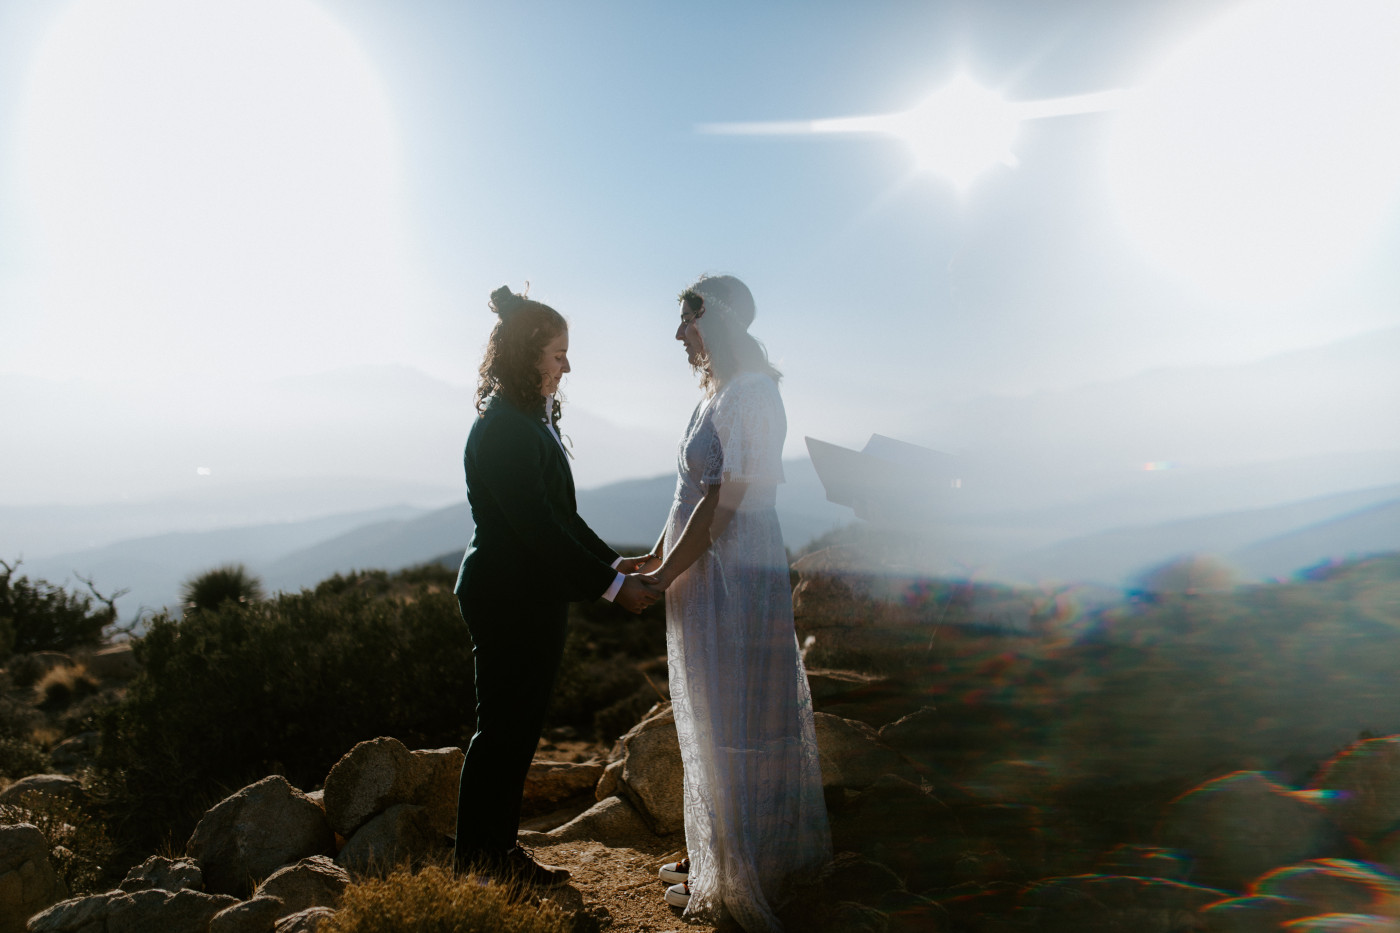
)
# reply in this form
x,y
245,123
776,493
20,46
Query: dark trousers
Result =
x,y
516,651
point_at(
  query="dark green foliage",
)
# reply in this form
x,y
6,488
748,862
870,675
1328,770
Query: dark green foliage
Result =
x,y
601,690
287,685
19,755
211,589
37,616
81,850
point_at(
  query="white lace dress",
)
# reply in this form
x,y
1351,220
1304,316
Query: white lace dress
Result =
x,y
754,813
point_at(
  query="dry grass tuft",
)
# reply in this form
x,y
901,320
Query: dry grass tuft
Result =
x,y
435,900
62,686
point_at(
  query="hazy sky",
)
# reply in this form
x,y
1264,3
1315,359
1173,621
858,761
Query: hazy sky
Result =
x,y
200,197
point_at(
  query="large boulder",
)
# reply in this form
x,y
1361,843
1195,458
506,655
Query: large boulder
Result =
x,y
838,687
183,911
610,781
1237,827
852,755
369,779
305,921
115,662
164,874
313,882
1253,913
403,832
842,895
1334,886
78,915
550,782
60,786
28,882
73,754
439,777
652,776
256,831
255,915
894,822
1110,904
921,736
1144,862
1344,923
1362,787
612,821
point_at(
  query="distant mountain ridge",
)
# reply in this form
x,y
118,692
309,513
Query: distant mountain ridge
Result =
x,y
1260,544
292,555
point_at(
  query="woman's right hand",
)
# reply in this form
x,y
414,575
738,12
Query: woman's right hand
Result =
x,y
646,563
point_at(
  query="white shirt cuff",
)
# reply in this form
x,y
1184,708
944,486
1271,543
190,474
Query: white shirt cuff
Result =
x,y
611,594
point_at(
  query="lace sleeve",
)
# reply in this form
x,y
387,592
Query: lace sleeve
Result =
x,y
750,427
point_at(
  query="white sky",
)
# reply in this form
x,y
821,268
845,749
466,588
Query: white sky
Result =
x,y
199,197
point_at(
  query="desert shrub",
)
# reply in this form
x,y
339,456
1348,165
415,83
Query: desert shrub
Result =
x,y
286,685
289,684
431,578
38,616
600,686
61,686
20,755
211,589
81,850
435,901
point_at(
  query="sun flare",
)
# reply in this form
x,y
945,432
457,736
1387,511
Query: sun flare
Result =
x,y
1263,154
959,133
209,185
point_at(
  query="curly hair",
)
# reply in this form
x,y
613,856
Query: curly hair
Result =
x,y
511,365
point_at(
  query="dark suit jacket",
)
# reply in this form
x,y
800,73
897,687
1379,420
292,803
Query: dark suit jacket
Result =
x,y
529,536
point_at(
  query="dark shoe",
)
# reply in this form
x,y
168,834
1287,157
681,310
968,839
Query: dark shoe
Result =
x,y
521,866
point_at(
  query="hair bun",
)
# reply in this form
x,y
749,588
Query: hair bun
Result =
x,y
504,301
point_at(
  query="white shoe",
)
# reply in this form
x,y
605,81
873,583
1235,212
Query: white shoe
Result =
x,y
678,895
675,872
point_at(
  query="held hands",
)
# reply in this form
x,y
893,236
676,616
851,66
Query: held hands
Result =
x,y
638,591
647,563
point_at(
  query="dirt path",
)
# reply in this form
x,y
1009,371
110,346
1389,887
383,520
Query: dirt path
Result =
x,y
624,882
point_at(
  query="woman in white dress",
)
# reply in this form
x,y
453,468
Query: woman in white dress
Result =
x,y
755,818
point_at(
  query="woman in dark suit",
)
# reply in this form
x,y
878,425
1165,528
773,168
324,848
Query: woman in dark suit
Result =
x,y
531,554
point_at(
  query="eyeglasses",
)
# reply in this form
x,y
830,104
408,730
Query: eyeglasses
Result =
x,y
693,309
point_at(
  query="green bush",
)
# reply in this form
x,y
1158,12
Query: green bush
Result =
x,y
19,754
81,849
435,901
601,690
37,616
288,685
211,589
